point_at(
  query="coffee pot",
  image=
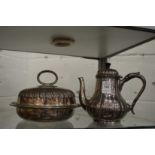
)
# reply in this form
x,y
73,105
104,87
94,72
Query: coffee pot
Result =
x,y
107,103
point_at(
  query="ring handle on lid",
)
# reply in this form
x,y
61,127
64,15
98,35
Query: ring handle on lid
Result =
x,y
47,71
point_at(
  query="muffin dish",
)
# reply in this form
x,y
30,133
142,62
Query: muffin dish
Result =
x,y
45,102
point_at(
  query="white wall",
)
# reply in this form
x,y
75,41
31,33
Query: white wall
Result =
x,y
14,73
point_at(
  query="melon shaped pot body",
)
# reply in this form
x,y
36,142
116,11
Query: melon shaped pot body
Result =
x,y
107,104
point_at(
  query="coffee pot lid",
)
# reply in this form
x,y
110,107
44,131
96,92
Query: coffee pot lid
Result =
x,y
108,72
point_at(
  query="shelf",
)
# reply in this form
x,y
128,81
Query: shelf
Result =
x,y
91,42
9,119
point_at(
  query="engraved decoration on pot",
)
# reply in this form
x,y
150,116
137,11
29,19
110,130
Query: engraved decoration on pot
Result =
x,y
46,102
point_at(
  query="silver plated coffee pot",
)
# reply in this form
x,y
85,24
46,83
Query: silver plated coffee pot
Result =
x,y
107,103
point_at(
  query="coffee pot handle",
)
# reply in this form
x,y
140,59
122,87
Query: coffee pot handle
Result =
x,y
129,77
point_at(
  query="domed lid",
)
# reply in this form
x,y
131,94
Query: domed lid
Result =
x,y
46,94
108,72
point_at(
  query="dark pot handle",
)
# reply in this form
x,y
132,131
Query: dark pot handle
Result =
x,y
129,77
47,71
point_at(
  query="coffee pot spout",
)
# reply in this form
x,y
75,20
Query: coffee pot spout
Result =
x,y
82,97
